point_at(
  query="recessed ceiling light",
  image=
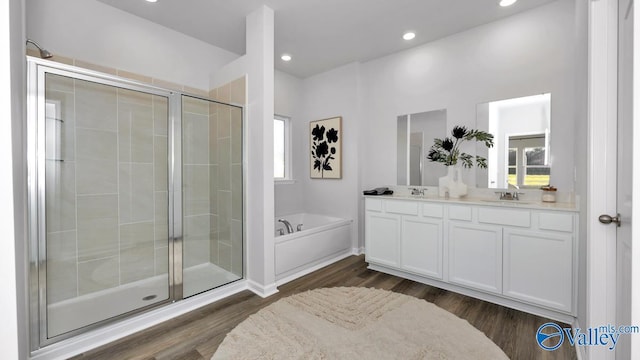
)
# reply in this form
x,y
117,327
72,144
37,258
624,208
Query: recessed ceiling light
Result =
x,y
285,57
152,0
507,2
409,35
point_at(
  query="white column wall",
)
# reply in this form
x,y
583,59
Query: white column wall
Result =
x,y
13,339
258,66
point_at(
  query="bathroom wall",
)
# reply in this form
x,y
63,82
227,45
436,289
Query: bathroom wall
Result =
x,y
13,332
332,93
289,197
95,32
529,53
107,187
438,75
329,94
258,67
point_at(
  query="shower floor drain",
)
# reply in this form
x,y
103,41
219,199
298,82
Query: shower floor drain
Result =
x,y
149,297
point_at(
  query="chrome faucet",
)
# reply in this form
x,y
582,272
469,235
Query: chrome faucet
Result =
x,y
287,224
505,195
416,191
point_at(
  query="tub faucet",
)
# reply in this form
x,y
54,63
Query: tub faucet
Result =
x,y
287,224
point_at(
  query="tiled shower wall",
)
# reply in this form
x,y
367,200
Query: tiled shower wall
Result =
x,y
107,208
106,187
225,167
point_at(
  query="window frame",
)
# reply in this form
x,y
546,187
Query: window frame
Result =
x,y
287,150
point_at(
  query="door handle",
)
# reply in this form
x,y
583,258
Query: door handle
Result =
x,y
607,219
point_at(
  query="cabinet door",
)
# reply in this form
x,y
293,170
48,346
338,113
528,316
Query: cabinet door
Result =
x,y
538,268
475,256
422,246
382,238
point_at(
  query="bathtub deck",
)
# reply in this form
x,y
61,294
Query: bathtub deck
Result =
x,y
196,335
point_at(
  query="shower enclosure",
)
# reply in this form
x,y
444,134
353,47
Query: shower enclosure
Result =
x,y
135,198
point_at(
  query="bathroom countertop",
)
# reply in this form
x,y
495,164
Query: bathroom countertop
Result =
x,y
524,204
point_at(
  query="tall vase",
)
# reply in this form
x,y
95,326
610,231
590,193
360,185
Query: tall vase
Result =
x,y
457,188
444,182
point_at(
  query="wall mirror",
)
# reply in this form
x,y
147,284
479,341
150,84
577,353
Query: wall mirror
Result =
x,y
415,136
521,155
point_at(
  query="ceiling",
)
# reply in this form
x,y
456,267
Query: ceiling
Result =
x,y
323,34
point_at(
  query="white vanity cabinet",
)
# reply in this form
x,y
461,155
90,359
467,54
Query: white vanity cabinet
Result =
x,y
517,256
421,246
475,256
407,235
538,268
383,241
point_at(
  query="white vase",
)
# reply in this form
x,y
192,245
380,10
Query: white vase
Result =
x,y
457,188
444,183
452,183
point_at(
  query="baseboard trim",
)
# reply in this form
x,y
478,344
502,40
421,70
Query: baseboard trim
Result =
x,y
357,251
102,336
260,290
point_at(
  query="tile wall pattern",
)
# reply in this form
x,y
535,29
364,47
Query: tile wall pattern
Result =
x,y
106,187
225,153
107,206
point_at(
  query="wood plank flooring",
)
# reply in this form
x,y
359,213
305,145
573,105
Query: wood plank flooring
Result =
x,y
197,335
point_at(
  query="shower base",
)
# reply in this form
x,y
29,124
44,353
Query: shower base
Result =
x,y
81,311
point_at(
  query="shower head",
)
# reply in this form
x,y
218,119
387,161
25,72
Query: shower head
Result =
x,y
45,54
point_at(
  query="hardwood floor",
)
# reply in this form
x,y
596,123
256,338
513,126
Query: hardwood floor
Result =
x,y
196,335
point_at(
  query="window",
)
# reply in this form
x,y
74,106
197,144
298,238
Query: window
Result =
x,y
513,166
528,165
281,148
536,171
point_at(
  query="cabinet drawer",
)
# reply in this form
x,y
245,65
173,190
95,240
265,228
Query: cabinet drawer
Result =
x,y
555,222
460,213
373,204
510,217
432,210
401,207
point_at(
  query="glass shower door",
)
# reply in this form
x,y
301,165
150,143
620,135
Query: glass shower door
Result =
x,y
212,194
103,223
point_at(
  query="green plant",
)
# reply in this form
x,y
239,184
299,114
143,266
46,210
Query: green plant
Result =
x,y
447,150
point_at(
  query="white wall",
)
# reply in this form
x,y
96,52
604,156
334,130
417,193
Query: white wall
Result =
x,y
12,282
529,53
288,102
257,65
98,33
330,94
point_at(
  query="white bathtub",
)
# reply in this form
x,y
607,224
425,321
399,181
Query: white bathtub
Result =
x,y
323,239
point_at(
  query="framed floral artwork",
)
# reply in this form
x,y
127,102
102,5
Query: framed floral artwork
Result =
x,y
325,139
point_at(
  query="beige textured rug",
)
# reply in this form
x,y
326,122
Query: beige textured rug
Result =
x,y
355,323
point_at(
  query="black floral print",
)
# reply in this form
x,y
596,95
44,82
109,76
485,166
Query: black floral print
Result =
x,y
321,151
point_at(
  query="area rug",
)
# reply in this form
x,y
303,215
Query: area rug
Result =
x,y
355,323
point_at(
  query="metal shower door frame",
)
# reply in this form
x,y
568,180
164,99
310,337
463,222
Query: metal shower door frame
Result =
x,y
36,71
